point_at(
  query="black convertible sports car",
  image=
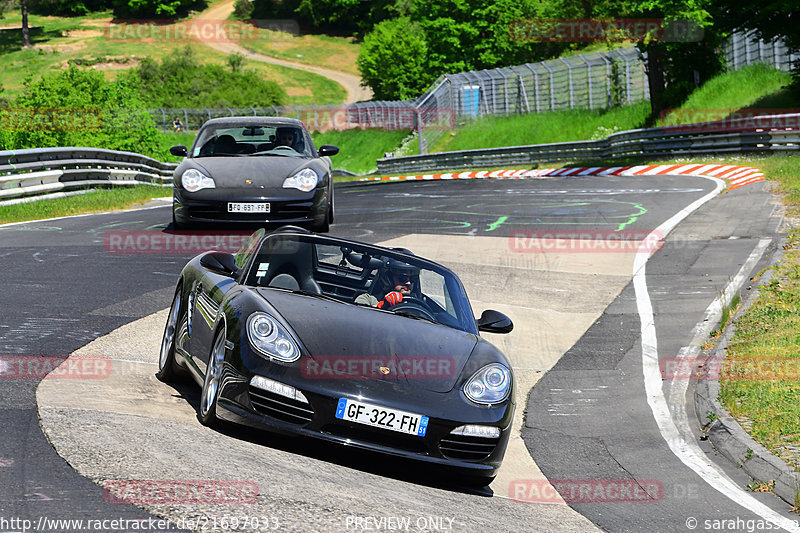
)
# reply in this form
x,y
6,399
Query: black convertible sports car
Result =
x,y
296,334
254,170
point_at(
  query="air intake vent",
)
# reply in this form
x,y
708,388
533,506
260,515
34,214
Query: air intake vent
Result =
x,y
280,407
467,448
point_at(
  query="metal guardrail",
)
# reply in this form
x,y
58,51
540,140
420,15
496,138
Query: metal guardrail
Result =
x,y
775,133
45,171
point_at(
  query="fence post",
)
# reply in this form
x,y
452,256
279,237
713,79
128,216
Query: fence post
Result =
x,y
535,85
552,94
609,95
522,95
588,78
571,91
423,149
186,119
628,79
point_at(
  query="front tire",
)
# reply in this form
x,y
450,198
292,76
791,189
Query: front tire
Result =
x,y
210,394
167,365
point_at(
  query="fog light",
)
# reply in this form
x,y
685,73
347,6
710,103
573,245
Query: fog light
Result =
x,y
277,387
471,430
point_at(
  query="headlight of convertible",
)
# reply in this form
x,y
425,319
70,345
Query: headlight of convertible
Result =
x,y
267,336
489,385
305,180
194,180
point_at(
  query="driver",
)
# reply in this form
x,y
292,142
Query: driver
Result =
x,y
399,282
285,137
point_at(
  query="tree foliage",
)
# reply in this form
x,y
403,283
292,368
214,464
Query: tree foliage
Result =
x,y
182,81
392,60
77,107
161,9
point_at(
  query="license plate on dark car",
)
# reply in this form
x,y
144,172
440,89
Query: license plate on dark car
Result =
x,y
382,417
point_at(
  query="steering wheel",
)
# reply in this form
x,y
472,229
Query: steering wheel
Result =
x,y
284,147
415,306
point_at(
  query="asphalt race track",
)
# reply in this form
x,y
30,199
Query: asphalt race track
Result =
x,y
596,417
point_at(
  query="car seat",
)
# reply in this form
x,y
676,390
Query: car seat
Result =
x,y
292,259
225,144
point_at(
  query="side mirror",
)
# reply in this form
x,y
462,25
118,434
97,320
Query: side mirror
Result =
x,y
327,149
220,262
179,150
492,321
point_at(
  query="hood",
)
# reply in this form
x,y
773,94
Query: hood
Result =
x,y
349,341
263,171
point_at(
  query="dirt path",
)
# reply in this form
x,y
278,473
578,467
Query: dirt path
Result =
x,y
351,83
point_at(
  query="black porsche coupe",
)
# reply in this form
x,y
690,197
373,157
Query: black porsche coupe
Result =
x,y
290,335
253,170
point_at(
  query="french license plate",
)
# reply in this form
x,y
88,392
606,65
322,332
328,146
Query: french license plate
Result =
x,y
240,207
382,417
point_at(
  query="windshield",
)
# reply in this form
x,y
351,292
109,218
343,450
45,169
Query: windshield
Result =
x,y
225,140
361,275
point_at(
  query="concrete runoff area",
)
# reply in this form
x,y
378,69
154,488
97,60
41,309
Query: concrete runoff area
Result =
x,y
150,429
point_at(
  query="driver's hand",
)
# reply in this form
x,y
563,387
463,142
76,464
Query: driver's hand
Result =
x,y
392,298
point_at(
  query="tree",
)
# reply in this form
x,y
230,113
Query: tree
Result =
x,y
392,60
26,37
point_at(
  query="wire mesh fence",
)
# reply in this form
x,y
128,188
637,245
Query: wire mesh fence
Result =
x,y
598,80
588,81
745,48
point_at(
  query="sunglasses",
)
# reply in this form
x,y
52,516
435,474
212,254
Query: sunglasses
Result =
x,y
402,278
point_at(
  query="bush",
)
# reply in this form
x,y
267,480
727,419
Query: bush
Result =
x,y
181,81
79,108
155,8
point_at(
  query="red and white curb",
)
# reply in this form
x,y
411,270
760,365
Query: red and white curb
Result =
x,y
736,176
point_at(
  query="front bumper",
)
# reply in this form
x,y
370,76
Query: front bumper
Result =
x,y
207,207
241,404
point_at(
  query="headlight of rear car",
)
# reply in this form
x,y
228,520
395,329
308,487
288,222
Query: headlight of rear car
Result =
x,y
267,336
305,180
194,180
489,385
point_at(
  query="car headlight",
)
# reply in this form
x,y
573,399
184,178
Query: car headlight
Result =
x,y
305,180
489,385
194,180
271,339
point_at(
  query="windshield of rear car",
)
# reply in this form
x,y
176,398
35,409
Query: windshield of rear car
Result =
x,y
225,140
361,275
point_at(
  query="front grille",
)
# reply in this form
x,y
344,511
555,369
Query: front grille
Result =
x,y
467,448
380,437
280,407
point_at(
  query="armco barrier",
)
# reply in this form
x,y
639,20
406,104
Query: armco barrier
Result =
x,y
44,171
774,133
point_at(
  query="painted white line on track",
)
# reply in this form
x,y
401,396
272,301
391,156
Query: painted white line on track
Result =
x,y
685,450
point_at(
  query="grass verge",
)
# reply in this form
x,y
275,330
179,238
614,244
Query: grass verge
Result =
x,y
92,202
57,41
360,149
